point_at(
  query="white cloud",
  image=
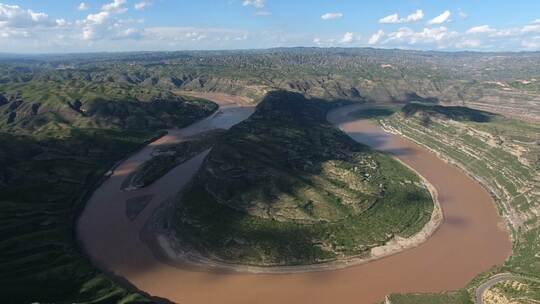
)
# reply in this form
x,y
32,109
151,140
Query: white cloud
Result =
x,y
347,38
195,36
462,14
104,23
129,33
255,3
395,19
481,29
116,7
26,29
14,33
142,5
417,16
375,38
13,16
486,30
178,34
533,27
505,32
440,36
442,18
94,25
98,18
61,22
329,16
531,43
468,43
82,6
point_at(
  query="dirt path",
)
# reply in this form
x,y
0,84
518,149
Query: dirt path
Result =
x,y
469,240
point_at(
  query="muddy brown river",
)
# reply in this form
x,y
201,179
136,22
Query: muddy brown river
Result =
x,y
471,239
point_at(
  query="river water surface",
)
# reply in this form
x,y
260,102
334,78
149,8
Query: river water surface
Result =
x,y
470,240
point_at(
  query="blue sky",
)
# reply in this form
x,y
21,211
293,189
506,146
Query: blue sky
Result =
x,y
130,25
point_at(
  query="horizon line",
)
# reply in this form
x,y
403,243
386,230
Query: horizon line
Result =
x,y
30,54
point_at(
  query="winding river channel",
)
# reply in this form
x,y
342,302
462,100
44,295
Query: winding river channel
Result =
x,y
470,240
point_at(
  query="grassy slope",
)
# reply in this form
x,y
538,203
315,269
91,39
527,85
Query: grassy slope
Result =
x,y
286,176
482,143
47,174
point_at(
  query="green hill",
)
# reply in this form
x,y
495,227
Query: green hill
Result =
x,y
51,159
285,187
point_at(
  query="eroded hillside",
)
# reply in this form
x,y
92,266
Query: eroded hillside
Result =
x,y
503,153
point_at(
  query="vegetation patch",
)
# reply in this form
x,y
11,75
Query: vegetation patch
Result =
x,y
285,187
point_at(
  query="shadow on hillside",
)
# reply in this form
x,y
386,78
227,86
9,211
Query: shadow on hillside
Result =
x,y
380,142
372,113
44,184
457,113
413,96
